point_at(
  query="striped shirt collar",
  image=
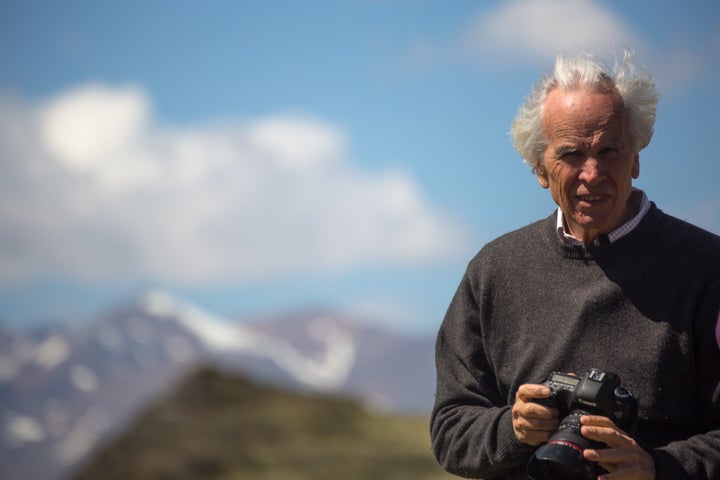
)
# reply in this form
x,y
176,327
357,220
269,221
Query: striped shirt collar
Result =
x,y
636,195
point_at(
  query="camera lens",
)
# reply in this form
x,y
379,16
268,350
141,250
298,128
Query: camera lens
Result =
x,y
560,461
562,457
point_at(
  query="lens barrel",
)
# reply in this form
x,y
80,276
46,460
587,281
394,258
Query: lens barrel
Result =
x,y
562,457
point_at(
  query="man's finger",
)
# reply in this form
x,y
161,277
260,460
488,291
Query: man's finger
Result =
x,y
529,391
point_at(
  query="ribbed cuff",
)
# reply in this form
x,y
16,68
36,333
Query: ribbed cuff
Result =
x,y
510,449
667,467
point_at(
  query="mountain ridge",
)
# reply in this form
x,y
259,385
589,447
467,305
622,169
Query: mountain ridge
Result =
x,y
62,391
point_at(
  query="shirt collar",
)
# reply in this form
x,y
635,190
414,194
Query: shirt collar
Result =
x,y
636,195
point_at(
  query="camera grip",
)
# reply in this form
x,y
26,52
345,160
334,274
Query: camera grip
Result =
x,y
549,402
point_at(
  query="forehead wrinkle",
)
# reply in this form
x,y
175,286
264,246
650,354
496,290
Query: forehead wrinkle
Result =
x,y
573,120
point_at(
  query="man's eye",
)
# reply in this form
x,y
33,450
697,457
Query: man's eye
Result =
x,y
570,154
609,151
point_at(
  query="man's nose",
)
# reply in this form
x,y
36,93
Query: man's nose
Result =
x,y
593,171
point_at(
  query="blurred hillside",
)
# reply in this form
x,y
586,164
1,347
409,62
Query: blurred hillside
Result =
x,y
222,426
64,391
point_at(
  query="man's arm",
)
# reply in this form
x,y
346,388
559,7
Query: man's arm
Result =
x,y
697,457
471,426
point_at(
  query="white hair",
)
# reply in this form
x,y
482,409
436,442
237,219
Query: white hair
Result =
x,y
636,88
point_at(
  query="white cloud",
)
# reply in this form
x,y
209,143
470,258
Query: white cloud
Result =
x,y
523,30
93,187
518,33
296,143
89,126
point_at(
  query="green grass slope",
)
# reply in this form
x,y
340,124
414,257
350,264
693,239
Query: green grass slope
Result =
x,y
219,426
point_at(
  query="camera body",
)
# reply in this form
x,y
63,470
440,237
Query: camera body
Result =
x,y
595,393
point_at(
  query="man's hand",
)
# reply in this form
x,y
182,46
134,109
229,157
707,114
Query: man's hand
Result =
x,y
533,423
623,458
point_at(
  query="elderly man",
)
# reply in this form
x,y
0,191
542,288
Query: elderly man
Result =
x,y
607,281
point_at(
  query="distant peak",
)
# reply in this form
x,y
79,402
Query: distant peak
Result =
x,y
222,335
216,332
160,302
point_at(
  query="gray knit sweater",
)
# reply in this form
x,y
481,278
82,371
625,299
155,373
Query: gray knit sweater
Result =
x,y
644,307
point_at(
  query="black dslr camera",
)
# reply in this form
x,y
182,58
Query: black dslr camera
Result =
x,y
595,393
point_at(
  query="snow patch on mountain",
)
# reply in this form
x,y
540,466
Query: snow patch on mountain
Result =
x,y
220,335
83,378
46,354
215,332
83,436
21,429
53,351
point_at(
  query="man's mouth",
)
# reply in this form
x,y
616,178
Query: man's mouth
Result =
x,y
591,198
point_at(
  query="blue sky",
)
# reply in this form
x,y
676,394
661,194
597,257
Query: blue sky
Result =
x,y
261,156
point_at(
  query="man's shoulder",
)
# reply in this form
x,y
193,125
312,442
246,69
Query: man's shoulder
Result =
x,y
533,231
515,242
689,235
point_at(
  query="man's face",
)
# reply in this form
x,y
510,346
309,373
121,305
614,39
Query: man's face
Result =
x,y
589,163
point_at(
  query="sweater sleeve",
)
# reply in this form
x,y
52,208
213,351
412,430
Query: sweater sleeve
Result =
x,y
471,425
698,457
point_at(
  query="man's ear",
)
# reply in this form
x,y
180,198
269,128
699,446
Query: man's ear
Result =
x,y
636,166
542,175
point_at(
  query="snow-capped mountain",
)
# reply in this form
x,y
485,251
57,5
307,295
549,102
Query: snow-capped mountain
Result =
x,y
328,370
63,391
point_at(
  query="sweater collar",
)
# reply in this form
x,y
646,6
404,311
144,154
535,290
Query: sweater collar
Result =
x,y
605,248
